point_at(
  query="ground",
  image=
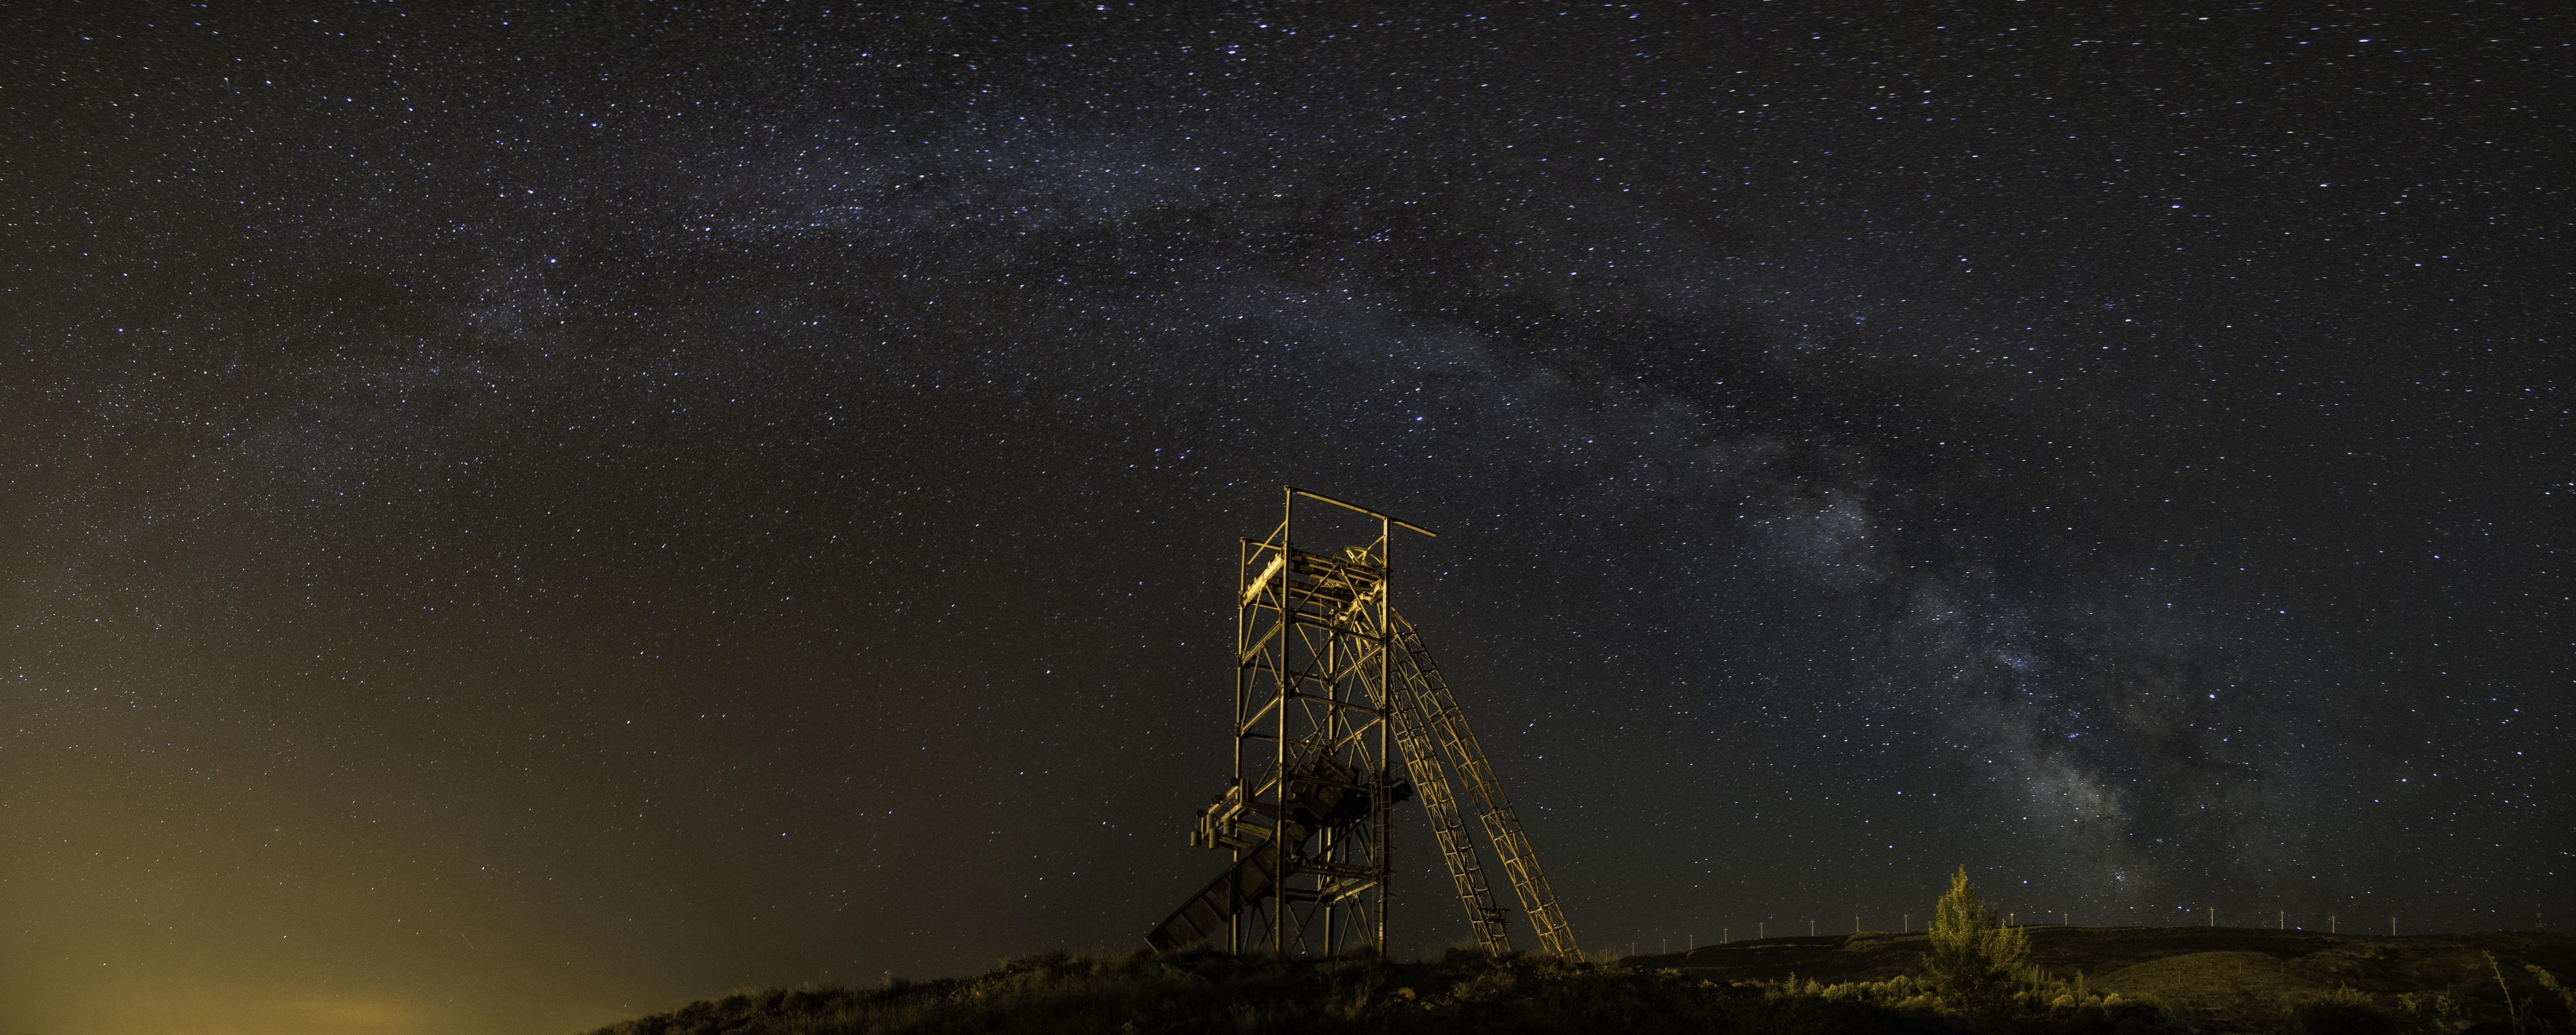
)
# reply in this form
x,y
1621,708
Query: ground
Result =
x,y
2216,978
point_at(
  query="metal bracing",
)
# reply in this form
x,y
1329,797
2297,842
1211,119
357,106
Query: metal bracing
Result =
x,y
1307,812
1466,756
1332,688
1440,804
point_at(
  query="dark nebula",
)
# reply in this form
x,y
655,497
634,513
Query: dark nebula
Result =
x,y
517,520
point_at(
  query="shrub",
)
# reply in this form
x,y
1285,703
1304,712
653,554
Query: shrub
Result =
x,y
1976,963
2429,1013
2566,995
2340,1012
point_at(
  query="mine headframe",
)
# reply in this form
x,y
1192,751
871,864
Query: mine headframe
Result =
x,y
1333,690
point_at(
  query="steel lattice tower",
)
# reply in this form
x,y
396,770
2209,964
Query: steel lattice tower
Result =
x,y
1332,690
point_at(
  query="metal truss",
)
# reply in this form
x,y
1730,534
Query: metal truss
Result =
x,y
1332,687
1428,693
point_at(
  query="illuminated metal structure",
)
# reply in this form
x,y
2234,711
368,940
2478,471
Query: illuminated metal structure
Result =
x,y
1332,690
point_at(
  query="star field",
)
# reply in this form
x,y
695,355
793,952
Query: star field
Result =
x,y
517,519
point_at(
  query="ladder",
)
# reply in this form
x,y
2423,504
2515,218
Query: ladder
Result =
x,y
1426,710
1422,761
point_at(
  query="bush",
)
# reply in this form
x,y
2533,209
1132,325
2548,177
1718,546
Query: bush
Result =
x,y
2340,1012
1976,963
2566,996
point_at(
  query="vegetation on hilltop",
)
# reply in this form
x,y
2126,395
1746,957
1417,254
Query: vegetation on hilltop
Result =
x,y
1977,976
1206,991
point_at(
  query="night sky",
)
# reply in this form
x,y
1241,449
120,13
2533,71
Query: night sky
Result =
x,y
523,519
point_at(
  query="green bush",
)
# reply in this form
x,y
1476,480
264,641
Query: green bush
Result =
x,y
1976,962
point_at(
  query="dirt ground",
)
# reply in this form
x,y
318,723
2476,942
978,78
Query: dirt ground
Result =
x,y
2218,978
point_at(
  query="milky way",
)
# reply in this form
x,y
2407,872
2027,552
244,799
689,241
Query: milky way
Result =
x,y
519,520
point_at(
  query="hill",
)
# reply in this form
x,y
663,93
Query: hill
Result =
x,y
2135,980
2214,978
1198,990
